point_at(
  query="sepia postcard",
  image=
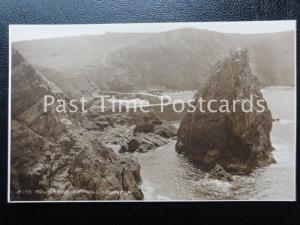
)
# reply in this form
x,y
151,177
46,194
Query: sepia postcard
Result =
x,y
152,112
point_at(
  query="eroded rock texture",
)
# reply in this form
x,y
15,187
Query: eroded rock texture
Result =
x,y
58,156
238,141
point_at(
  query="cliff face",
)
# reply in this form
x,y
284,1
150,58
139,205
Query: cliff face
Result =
x,y
238,140
53,157
179,59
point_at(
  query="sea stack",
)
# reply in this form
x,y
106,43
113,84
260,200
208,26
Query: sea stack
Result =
x,y
237,140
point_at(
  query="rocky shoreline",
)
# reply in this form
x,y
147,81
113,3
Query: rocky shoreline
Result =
x,y
59,156
67,156
237,141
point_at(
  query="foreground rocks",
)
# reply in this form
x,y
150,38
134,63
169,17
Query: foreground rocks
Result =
x,y
59,156
148,135
133,131
143,142
237,141
219,173
140,135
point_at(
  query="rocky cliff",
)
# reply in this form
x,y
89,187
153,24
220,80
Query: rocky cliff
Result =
x,y
53,157
179,59
237,140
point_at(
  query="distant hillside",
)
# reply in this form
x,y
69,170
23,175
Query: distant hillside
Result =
x,y
177,59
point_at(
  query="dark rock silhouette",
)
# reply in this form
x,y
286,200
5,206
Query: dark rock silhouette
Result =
x,y
238,141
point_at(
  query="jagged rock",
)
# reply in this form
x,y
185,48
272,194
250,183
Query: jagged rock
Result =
x,y
124,148
87,124
239,141
146,123
165,130
140,132
28,90
102,125
58,156
131,174
145,128
143,142
133,144
219,173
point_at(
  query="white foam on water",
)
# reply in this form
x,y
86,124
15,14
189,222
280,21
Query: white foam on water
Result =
x,y
150,193
219,185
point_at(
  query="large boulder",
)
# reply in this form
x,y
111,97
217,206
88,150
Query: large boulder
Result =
x,y
165,130
236,139
143,142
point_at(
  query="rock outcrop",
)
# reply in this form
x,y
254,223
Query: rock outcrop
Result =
x,y
143,142
237,140
58,156
219,173
134,131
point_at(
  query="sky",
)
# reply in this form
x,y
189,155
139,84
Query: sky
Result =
x,y
32,32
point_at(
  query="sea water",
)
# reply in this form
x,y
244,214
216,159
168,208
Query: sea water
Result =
x,y
170,176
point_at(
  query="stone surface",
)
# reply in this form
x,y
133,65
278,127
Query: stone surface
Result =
x,y
144,128
137,131
237,141
219,173
166,130
144,141
58,156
